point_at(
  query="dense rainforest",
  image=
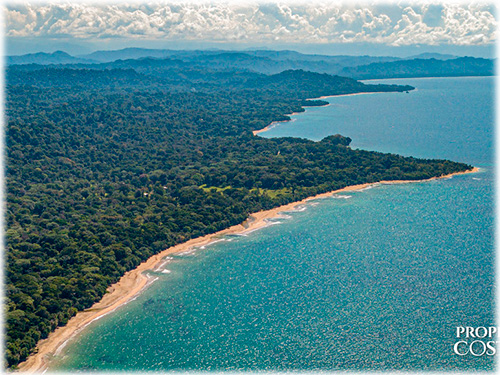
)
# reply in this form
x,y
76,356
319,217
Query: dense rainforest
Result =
x,y
108,165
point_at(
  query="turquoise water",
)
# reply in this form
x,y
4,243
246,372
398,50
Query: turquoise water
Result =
x,y
370,280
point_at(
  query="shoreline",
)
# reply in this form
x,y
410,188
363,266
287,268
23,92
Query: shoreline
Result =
x,y
133,282
274,123
428,77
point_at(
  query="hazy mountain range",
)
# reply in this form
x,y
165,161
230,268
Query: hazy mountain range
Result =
x,y
264,61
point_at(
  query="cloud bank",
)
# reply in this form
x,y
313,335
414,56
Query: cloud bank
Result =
x,y
395,25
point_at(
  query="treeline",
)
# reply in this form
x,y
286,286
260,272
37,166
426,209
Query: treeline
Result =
x,y
102,175
463,66
174,75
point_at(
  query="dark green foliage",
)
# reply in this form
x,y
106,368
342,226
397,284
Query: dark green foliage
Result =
x,y
106,168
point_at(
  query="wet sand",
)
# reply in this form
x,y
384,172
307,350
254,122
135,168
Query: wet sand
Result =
x,y
134,281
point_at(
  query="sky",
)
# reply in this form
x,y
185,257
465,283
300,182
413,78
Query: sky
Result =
x,y
378,28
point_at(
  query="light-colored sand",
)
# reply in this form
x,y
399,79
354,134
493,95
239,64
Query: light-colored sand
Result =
x,y
272,124
255,132
135,281
356,93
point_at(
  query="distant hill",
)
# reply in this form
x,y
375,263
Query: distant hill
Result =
x,y
127,53
463,66
345,60
58,57
171,64
135,53
258,61
429,55
261,61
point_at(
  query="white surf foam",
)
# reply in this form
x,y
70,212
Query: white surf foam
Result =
x,y
368,187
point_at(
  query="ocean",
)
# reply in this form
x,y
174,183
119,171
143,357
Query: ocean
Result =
x,y
377,279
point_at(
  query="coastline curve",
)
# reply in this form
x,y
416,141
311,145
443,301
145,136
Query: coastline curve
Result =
x,y
133,282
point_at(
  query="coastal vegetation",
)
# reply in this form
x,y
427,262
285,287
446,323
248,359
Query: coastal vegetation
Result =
x,y
108,165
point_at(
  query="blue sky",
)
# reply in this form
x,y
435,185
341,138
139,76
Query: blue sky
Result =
x,y
376,28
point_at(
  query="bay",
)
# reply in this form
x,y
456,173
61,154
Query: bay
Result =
x,y
371,280
448,118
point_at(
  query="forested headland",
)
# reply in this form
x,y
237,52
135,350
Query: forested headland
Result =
x,y
111,163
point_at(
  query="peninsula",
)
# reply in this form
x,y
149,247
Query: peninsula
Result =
x,y
110,164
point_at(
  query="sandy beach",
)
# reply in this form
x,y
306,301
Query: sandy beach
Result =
x,y
255,132
134,281
355,93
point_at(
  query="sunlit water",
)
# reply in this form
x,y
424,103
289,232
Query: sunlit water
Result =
x,y
370,280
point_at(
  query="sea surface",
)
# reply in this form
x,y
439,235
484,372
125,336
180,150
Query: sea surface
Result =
x,y
376,279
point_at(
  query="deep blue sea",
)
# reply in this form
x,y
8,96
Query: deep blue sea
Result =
x,y
376,279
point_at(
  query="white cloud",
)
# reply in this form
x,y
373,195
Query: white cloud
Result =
x,y
258,22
